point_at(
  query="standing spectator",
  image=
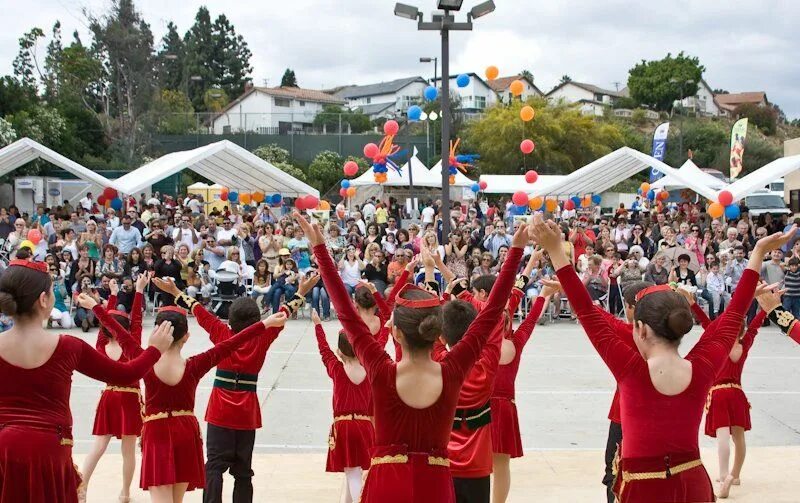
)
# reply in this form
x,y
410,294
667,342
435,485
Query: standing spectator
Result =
x,y
621,234
350,267
86,202
215,254
595,280
580,238
186,233
730,241
733,271
126,237
716,288
773,271
60,312
791,282
270,244
82,269
498,238
262,281
299,248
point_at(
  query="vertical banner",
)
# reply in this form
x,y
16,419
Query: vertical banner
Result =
x,y
738,138
659,148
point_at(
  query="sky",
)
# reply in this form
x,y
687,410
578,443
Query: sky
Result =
x,y
745,45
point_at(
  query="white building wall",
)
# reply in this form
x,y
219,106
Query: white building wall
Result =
x,y
259,113
528,91
571,93
476,95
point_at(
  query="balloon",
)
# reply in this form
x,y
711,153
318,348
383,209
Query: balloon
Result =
x,y
597,199
311,201
300,203
391,127
101,200
343,192
116,203
483,185
651,194
233,196
351,167
520,198
27,244
663,195
569,205
645,187
370,150
475,187
414,113
715,210
258,197
462,80
725,198
110,192
586,202
731,213
516,87
244,198
492,72
276,199
527,146
431,93
223,196
535,203
526,113
324,205
34,236
345,184
551,205
351,192
531,176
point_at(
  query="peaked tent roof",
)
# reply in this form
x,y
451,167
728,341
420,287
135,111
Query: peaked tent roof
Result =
x,y
461,178
690,170
417,170
26,150
222,162
761,177
508,184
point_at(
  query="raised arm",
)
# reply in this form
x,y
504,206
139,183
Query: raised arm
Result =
x,y
752,329
525,329
94,365
130,347
328,358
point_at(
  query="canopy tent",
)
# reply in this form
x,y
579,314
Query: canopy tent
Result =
x,y
222,162
508,184
26,150
414,168
690,170
461,178
761,177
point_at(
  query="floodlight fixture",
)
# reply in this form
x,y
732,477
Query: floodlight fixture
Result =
x,y
482,9
406,11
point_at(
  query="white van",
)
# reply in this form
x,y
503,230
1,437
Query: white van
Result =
x,y
765,201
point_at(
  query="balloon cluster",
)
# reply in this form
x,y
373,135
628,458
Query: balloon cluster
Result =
x,y
459,161
724,206
110,199
382,154
646,191
479,186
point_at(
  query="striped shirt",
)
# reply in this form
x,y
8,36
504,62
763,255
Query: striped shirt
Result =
x,y
791,282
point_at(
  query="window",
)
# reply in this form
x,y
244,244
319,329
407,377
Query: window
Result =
x,y
480,102
283,102
226,130
302,103
369,100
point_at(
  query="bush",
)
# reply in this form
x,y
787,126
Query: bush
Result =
x,y
273,153
765,118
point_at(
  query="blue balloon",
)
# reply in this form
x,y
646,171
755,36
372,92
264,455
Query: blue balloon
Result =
x,y
414,113
462,80
116,203
276,199
596,199
475,187
651,194
732,211
576,200
431,93
233,196
345,184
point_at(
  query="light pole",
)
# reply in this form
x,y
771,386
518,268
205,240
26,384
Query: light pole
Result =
x,y
435,66
681,83
444,22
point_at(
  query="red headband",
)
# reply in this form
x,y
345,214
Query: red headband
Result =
x,y
36,266
174,309
653,289
118,313
414,304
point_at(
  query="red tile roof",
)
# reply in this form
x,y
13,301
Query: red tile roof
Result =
x,y
301,94
733,100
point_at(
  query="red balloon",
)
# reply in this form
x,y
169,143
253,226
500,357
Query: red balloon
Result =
x,y
311,202
110,193
725,198
483,185
371,150
34,236
527,146
569,205
391,127
223,196
101,200
531,176
300,203
520,198
350,168
343,192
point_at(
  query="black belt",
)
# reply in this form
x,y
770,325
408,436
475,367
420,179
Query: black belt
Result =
x,y
235,381
473,418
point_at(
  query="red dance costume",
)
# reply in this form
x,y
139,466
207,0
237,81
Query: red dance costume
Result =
x,y
660,454
36,422
119,411
172,448
352,434
409,462
385,312
727,403
506,438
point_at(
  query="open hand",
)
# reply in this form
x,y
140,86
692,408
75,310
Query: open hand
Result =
x,y
412,266
369,286
315,317
143,280
86,301
776,240
167,285
161,337
113,286
276,320
546,233
307,283
551,287
312,232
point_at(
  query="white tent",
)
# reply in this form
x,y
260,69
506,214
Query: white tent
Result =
x,y
222,162
461,178
414,169
26,150
508,184
690,170
761,177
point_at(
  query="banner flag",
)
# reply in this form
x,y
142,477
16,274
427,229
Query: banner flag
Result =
x,y
738,138
659,149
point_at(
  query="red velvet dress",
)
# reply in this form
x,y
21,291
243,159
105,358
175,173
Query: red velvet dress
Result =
x,y
409,461
172,448
385,312
36,422
352,434
661,432
119,411
727,403
506,438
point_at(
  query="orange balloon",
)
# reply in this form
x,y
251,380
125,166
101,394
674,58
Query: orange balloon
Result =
x,y
516,87
324,205
258,196
645,187
244,198
715,210
586,201
535,203
351,192
492,72
527,113
551,205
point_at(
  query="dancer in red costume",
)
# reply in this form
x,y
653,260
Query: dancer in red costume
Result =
x,y
36,369
727,408
415,398
172,449
384,308
352,433
770,302
661,394
119,411
233,413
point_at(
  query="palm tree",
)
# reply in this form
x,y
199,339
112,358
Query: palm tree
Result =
x,y
565,79
526,74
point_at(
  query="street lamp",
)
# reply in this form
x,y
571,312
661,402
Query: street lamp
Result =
x,y
444,23
435,66
681,84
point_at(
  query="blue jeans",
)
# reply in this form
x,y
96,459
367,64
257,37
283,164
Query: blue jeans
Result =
x,y
285,290
792,304
320,301
350,289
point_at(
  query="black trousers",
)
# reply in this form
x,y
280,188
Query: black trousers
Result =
x,y
232,450
614,438
472,490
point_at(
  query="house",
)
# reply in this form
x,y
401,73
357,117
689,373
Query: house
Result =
x,y
729,102
592,99
703,103
273,110
384,99
475,97
500,86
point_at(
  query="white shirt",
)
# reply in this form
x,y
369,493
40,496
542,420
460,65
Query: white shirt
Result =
x,y
223,235
195,205
185,238
153,201
369,211
428,214
86,203
113,223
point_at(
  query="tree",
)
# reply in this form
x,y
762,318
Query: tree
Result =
x,y
200,53
215,99
289,79
720,91
15,96
7,133
231,63
333,115
52,64
325,170
273,153
565,79
526,74
26,69
171,60
172,113
765,118
660,83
